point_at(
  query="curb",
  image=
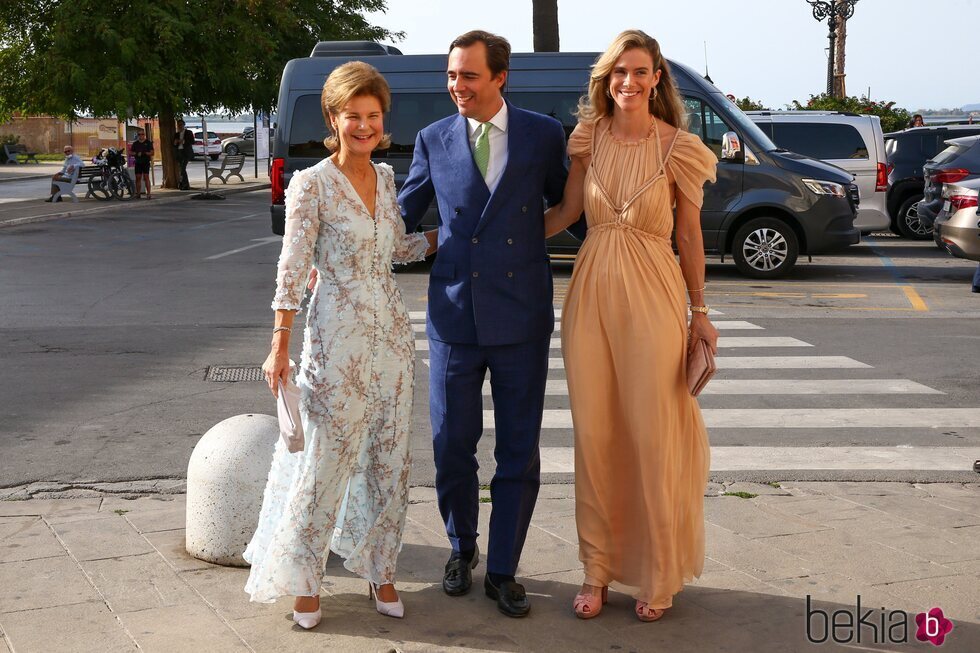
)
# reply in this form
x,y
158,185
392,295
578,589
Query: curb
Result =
x,y
23,178
118,206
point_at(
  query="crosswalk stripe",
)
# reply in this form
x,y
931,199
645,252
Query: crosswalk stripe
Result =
x,y
772,387
787,363
804,418
761,363
724,342
817,387
721,325
556,460
417,316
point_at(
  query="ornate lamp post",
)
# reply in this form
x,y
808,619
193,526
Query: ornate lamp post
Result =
x,y
834,11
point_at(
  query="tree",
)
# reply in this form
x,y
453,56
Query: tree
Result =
x,y
892,118
545,25
839,46
748,104
161,58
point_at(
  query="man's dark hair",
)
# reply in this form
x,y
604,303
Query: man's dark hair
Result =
x,y
181,122
498,48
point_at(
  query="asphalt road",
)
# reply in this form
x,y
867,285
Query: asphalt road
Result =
x,y
111,322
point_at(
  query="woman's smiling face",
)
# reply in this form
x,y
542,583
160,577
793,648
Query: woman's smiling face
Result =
x,y
633,79
359,125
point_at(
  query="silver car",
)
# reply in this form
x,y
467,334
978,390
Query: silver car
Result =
x,y
850,141
241,144
957,226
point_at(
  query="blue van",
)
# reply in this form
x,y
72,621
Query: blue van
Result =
x,y
766,208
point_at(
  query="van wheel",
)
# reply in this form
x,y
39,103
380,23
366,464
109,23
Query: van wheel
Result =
x,y
765,248
908,222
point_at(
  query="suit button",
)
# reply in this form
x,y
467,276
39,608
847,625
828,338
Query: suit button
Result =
x,y
510,241
523,209
510,274
458,210
476,274
476,240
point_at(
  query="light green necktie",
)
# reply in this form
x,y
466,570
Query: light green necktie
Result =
x,y
481,151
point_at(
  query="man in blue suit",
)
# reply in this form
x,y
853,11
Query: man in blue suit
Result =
x,y
490,169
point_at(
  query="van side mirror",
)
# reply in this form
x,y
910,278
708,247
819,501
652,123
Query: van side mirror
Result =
x,y
731,147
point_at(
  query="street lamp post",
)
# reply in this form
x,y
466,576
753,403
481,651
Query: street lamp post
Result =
x,y
833,11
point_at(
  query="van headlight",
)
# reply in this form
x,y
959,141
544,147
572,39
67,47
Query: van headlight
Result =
x,y
821,187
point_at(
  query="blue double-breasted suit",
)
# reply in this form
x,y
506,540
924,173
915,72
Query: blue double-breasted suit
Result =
x,y
490,309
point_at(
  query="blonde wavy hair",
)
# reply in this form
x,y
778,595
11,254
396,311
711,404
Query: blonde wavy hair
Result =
x,y
346,82
666,105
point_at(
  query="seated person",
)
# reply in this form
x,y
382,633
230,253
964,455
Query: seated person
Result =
x,y
73,163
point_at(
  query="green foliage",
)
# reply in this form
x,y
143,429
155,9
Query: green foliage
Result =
x,y
748,104
156,57
892,118
740,495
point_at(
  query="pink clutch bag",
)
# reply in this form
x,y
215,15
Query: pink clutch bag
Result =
x,y
700,367
290,424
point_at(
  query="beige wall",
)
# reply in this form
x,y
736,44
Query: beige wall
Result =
x,y
45,134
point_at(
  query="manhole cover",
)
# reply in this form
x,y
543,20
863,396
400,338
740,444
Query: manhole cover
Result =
x,y
233,373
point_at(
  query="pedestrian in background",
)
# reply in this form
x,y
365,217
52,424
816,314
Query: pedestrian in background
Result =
x,y
142,150
183,152
641,448
347,490
917,121
73,162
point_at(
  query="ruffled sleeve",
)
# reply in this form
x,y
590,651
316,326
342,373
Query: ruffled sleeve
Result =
x,y
580,142
299,241
691,165
408,247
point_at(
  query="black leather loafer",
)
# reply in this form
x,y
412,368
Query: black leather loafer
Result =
x,y
510,597
458,577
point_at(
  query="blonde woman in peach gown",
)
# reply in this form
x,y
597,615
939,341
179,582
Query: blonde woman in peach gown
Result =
x,y
641,449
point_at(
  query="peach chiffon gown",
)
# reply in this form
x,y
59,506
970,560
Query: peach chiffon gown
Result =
x,y
641,449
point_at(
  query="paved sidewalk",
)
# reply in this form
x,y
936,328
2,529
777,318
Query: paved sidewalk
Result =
x,y
110,574
20,172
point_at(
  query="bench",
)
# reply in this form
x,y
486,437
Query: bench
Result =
x,y
231,166
83,176
19,149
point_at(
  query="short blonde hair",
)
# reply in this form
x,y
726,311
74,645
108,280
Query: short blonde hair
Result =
x,y
346,82
667,104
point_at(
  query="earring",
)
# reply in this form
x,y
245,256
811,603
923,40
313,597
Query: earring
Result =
x,y
653,95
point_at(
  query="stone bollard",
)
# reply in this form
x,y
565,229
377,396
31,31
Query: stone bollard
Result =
x,y
226,479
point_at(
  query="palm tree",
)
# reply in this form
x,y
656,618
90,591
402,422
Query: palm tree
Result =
x,y
545,24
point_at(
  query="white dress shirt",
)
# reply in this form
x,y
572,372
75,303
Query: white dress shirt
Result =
x,y
498,145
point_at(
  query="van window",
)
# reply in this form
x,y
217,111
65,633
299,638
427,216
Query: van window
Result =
x,y
824,141
307,129
703,122
410,112
766,128
560,106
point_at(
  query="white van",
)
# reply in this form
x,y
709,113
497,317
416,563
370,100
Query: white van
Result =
x,y
851,141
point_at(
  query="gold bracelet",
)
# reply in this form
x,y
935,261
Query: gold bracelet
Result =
x,y
699,309
281,328
701,289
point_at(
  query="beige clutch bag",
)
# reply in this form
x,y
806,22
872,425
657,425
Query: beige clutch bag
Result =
x,y
700,367
287,406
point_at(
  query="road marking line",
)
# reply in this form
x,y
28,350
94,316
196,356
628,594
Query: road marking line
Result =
x,y
817,387
721,325
723,342
558,460
804,418
259,242
761,363
417,316
914,298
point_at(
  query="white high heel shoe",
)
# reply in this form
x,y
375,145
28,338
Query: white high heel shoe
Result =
x,y
307,620
394,609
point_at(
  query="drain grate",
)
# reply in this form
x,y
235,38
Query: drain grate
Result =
x,y
233,373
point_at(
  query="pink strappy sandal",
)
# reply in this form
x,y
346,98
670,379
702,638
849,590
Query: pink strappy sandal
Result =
x,y
589,605
645,613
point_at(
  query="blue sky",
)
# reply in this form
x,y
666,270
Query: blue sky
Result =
x,y
772,50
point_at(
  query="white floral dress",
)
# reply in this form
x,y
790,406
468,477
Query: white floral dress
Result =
x,y
347,491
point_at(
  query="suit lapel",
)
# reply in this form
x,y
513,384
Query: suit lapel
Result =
x,y
519,139
457,143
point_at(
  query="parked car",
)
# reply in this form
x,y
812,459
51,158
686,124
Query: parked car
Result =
x,y
212,148
766,208
850,141
957,226
957,163
244,143
907,152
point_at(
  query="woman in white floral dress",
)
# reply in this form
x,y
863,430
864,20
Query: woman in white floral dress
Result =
x,y
347,491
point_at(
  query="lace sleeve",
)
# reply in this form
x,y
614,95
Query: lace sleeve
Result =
x,y
299,242
408,247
